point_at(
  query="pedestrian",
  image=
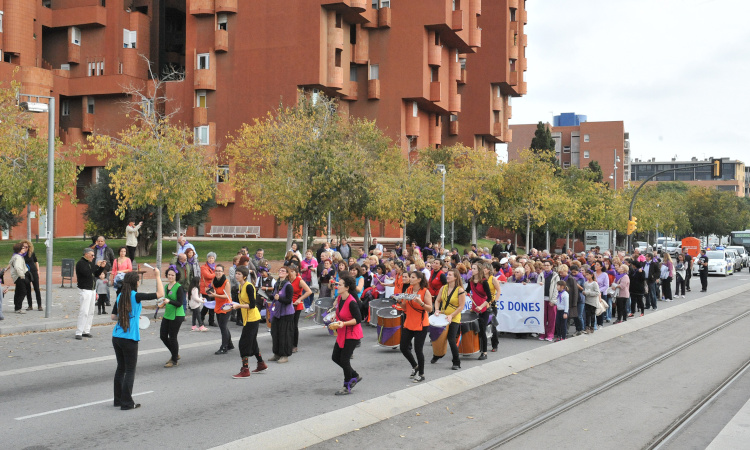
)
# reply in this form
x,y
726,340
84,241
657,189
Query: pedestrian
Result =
x,y
450,301
20,275
174,315
348,329
667,275
592,294
573,298
131,238
282,318
102,293
637,289
308,270
121,264
562,302
416,323
301,292
622,292
248,304
219,292
680,270
548,279
688,268
480,298
702,270
196,304
208,273
86,272
3,291
126,334
234,287
325,279
602,279
33,266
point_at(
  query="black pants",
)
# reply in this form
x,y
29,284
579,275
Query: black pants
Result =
x,y
126,352
211,315
561,324
249,341
688,276
343,357
295,339
226,336
666,288
168,334
622,308
20,293
101,301
590,315
483,318
453,329
405,344
636,303
282,335
35,287
704,279
131,253
495,340
679,285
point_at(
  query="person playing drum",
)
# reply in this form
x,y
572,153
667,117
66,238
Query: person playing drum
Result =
x,y
450,301
480,298
415,323
349,333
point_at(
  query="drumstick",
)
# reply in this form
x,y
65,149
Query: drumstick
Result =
x,y
148,265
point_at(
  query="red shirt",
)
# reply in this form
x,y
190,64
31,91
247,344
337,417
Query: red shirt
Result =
x,y
297,293
435,282
221,301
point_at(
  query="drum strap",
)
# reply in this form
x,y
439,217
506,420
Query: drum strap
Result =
x,y
444,305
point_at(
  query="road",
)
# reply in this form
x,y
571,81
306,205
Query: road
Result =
x,y
56,392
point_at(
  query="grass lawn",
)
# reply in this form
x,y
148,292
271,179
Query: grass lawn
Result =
x,y
73,248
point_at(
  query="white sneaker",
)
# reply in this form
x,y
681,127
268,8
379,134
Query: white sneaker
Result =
x,y
683,296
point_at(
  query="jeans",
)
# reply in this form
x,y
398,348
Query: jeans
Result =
x,y
590,316
126,352
168,334
35,287
704,279
211,315
343,357
2,317
666,285
86,311
226,336
680,285
452,336
582,309
405,344
636,301
652,296
622,314
609,306
483,319
495,341
197,316
688,276
131,253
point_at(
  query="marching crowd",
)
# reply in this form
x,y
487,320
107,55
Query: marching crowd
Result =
x,y
583,291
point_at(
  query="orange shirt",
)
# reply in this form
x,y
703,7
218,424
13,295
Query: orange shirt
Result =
x,y
416,317
221,301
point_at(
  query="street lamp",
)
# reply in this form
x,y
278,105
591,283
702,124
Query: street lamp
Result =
x,y
441,169
38,107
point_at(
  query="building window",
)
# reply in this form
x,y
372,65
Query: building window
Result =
x,y
222,174
566,148
374,71
462,61
64,66
414,109
586,138
221,22
456,5
496,116
147,107
47,3
435,74
1,21
90,105
512,14
100,67
315,96
585,153
75,35
129,38
339,23
201,135
200,99
352,73
566,165
203,61
65,107
381,4
454,118
339,53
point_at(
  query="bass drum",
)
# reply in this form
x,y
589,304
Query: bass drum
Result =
x,y
375,306
469,343
389,327
321,307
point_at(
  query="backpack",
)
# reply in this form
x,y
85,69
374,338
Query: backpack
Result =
x,y
117,283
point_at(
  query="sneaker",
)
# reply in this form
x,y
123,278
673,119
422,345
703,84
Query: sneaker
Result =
x,y
418,379
221,351
434,360
193,328
262,367
20,311
230,346
274,358
455,367
631,315
541,338
641,314
87,335
343,391
413,372
294,350
548,339
482,357
283,359
79,337
136,406
683,296
171,363
202,328
103,312
30,308
244,373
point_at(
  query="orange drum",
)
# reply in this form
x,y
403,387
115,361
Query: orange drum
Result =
x,y
389,327
469,343
439,334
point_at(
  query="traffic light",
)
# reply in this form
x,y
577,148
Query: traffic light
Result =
x,y
632,225
716,168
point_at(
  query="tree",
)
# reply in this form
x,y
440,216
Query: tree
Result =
x,y
543,146
23,161
596,170
142,161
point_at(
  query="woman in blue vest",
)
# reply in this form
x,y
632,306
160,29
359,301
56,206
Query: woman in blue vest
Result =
x,y
126,334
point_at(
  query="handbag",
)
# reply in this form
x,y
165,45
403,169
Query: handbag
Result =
x,y
601,306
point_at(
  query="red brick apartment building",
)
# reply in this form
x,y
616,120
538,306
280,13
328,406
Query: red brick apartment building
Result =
x,y
577,145
430,72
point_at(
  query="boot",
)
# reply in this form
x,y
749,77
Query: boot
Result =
x,y
262,367
244,373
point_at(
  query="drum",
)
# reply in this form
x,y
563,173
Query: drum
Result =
x,y
321,307
328,319
389,327
143,322
439,334
469,343
375,306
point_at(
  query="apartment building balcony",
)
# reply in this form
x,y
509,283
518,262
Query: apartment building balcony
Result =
x,y
521,15
371,18
350,91
463,78
94,15
475,6
361,50
457,22
475,34
74,53
435,91
226,6
221,41
508,112
336,78
412,123
373,89
205,79
436,132
497,129
523,40
454,102
513,4
522,88
384,17
453,128
201,7
225,193
87,123
200,116
513,79
455,70
508,135
434,54
497,102
361,5
337,37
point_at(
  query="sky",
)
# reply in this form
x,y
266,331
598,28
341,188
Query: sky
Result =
x,y
677,72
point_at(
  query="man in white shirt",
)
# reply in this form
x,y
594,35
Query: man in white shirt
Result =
x,y
131,238
183,245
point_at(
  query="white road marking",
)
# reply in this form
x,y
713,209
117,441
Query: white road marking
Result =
x,y
76,407
79,362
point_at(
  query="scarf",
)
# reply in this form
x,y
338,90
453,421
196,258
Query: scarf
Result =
x,y
219,282
182,264
619,276
559,296
102,247
547,274
565,279
211,266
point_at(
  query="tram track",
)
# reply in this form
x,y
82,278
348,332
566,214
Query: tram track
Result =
x,y
667,434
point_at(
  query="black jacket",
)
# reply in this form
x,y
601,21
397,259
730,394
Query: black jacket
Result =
x,y
86,274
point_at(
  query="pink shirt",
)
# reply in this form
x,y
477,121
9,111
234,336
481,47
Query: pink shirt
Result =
x,y
126,266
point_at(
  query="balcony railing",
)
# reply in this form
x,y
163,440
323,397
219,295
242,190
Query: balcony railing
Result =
x,y
226,6
200,116
435,91
205,79
221,41
201,7
384,17
373,89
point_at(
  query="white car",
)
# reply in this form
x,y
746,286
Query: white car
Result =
x,y
719,263
674,248
742,252
642,246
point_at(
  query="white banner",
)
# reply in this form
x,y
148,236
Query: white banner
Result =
x,y
521,309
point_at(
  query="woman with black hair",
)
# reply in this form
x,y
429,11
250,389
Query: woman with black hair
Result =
x,y
220,293
126,334
282,318
250,316
416,323
348,323
174,315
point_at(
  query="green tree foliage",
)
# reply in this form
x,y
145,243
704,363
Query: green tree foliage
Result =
x,y
543,146
596,170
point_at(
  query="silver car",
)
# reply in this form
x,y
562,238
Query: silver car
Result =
x,y
734,257
743,254
674,248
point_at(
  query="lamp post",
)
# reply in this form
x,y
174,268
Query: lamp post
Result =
x,y
441,169
613,177
37,107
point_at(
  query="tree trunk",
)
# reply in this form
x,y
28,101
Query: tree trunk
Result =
x,y
429,230
528,232
304,236
567,240
546,231
368,232
474,229
159,222
403,241
28,221
289,235
328,228
177,223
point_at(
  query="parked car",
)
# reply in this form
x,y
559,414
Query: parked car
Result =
x,y
743,254
718,263
659,244
674,248
642,246
735,259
